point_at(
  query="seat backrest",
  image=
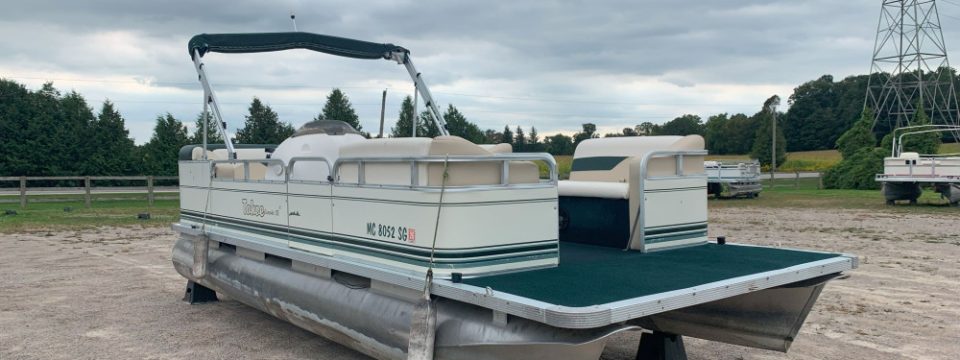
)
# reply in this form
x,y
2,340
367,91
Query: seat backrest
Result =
x,y
460,173
605,159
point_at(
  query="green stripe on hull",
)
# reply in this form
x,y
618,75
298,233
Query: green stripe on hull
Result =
x,y
448,259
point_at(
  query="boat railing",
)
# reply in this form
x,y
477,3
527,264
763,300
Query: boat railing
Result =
x,y
639,221
415,162
247,165
291,168
740,172
924,166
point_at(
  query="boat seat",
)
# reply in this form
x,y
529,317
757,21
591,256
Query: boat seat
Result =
x,y
605,159
460,173
597,189
501,148
258,171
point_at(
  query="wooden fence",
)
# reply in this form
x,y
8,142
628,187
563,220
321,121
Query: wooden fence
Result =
x,y
87,184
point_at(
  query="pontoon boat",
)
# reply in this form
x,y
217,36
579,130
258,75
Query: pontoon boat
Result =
x,y
906,173
726,179
440,248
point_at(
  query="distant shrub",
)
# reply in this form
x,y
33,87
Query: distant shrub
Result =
x,y
856,172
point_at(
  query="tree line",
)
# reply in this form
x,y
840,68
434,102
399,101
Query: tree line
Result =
x,y
48,132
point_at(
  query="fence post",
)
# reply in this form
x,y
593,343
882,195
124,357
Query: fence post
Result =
x,y
796,181
150,190
23,191
820,178
86,188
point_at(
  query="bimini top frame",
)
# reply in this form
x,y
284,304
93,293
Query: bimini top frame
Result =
x,y
897,147
202,44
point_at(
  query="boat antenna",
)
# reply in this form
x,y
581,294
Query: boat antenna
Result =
x,y
293,18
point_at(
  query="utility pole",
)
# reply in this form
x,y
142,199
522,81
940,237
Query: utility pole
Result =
x,y
773,140
383,109
413,116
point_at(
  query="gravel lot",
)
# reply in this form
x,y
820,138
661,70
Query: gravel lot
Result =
x,y
112,293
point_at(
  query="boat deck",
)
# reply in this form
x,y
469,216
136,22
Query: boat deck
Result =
x,y
591,275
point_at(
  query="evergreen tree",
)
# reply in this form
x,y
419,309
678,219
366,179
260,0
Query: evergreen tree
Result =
x,y
860,136
520,141
534,141
113,152
161,152
404,124
72,132
263,126
861,159
429,128
19,135
338,107
507,136
927,143
458,125
762,140
213,135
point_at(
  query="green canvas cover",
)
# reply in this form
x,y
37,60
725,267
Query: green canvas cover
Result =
x,y
266,42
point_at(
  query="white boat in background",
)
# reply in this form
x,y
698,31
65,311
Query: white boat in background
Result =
x,y
440,248
906,173
726,179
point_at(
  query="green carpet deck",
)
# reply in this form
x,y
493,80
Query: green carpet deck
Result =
x,y
592,275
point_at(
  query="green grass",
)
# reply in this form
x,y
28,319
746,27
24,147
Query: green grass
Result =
x,y
564,162
105,210
783,193
951,148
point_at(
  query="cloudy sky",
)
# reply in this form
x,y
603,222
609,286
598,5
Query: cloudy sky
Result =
x,y
549,64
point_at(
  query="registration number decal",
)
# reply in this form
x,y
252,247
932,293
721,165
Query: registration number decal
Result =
x,y
401,233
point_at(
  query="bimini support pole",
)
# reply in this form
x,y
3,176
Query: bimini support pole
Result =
x,y
404,59
211,99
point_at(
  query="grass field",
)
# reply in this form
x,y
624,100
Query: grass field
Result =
x,y
49,212
805,193
951,148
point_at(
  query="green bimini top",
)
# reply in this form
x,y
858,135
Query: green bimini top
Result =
x,y
594,275
265,42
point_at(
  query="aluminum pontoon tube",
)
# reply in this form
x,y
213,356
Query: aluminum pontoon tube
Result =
x,y
374,318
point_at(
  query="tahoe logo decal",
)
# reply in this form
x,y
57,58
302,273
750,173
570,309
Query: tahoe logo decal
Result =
x,y
253,209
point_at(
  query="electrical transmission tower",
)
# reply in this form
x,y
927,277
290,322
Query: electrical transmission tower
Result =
x,y
910,70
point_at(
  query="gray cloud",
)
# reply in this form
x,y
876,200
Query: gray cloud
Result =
x,y
552,65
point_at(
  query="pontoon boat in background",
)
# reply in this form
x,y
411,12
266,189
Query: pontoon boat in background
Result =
x,y
440,248
906,173
725,179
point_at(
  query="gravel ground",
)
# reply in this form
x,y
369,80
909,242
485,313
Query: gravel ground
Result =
x,y
113,294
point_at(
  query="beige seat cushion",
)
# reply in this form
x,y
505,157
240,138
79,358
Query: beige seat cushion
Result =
x,y
460,173
235,171
595,189
636,147
501,148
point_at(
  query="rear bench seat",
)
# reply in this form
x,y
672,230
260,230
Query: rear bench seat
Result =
x,y
599,202
460,173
